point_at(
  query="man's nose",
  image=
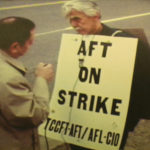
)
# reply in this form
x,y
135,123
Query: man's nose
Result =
x,y
74,23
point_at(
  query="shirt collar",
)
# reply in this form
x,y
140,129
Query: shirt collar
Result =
x,y
12,61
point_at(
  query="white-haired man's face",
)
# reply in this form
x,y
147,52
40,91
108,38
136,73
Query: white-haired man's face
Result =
x,y
84,24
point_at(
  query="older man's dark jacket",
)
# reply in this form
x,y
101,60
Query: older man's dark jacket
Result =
x,y
139,106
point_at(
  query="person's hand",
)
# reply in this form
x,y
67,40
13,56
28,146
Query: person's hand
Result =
x,y
45,71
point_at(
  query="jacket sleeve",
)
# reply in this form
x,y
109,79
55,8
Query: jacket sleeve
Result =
x,y
141,80
23,106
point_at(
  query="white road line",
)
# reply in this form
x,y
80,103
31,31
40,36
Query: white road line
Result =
x,y
50,32
104,21
127,17
30,5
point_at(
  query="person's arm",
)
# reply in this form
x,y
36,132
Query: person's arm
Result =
x,y
22,106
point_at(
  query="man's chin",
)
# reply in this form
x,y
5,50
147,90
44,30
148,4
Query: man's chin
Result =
x,y
82,32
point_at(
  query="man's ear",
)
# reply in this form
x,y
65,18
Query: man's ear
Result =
x,y
14,48
98,15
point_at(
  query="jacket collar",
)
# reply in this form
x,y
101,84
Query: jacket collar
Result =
x,y
107,30
13,62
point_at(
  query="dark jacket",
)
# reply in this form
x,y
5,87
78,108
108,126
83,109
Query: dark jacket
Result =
x,y
139,98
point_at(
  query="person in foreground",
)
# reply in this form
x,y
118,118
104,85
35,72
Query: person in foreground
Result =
x,y
85,18
22,108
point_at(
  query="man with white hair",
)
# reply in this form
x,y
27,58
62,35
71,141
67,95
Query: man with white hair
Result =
x,y
85,18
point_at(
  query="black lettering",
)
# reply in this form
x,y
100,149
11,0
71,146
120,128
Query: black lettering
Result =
x,y
115,106
82,49
95,135
90,138
61,126
116,140
112,138
92,103
56,129
101,104
106,45
109,135
95,76
91,47
75,130
80,127
67,124
53,122
100,137
72,94
72,131
83,74
82,100
62,93
48,119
